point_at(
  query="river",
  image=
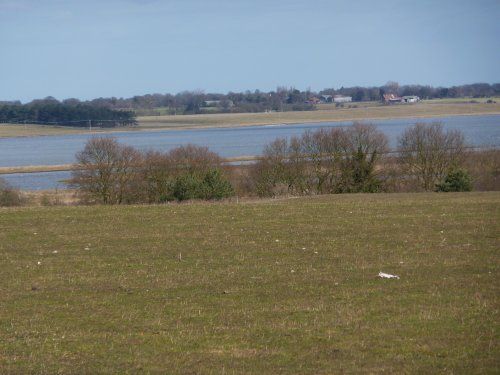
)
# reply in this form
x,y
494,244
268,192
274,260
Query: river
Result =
x,y
228,142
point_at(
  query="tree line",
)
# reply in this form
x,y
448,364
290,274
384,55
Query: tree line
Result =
x,y
281,99
354,159
287,98
357,159
111,173
52,112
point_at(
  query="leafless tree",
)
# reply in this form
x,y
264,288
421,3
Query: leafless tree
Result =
x,y
184,172
323,161
428,152
106,171
194,159
158,173
363,148
272,171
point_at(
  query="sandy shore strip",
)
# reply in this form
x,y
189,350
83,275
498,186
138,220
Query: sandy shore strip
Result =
x,y
71,167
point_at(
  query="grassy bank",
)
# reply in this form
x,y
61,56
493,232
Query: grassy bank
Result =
x,y
258,288
325,113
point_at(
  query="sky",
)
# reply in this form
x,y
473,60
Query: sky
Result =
x,y
102,48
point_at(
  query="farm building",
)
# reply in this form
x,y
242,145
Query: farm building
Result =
x,y
391,98
218,103
410,99
342,99
313,101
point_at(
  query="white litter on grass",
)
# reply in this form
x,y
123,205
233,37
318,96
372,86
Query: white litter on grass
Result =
x,y
387,276
39,263
55,252
277,240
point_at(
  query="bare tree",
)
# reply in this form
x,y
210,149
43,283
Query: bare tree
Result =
x,y
273,169
194,159
107,171
323,161
364,147
186,172
428,153
158,176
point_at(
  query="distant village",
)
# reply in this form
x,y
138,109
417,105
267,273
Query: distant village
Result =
x,y
323,99
388,99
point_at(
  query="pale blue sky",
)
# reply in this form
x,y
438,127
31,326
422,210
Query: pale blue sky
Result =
x,y
101,48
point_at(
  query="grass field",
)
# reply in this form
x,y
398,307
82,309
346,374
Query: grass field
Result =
x,y
272,287
20,130
325,113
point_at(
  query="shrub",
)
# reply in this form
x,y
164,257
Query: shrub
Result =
x,y
186,187
211,186
215,186
9,196
456,180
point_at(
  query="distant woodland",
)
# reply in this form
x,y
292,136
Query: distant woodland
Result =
x,y
112,112
49,111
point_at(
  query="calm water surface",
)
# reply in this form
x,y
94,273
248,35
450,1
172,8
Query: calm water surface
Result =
x,y
47,150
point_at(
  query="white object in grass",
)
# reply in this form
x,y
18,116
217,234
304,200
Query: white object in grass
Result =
x,y
387,276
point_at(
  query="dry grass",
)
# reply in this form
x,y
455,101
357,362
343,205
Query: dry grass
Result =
x,y
284,287
54,197
324,114
36,168
19,130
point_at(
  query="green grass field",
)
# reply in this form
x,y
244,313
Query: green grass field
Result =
x,y
268,287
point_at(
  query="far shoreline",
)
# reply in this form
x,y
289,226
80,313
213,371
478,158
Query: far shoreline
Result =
x,y
242,120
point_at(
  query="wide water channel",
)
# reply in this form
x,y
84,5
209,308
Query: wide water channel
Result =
x,y
52,150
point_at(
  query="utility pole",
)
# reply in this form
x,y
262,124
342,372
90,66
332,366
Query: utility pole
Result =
x,y
90,125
